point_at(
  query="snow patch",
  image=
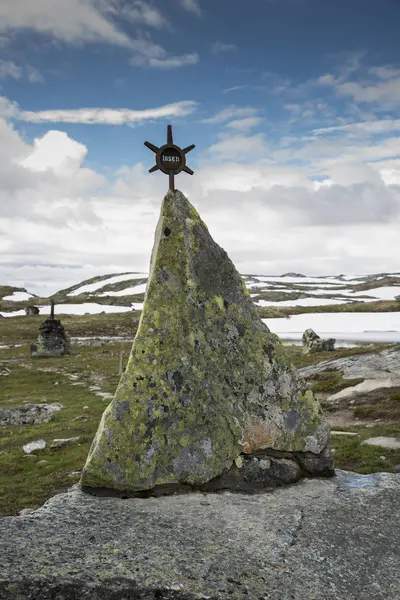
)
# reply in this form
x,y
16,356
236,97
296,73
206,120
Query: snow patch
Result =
x,y
92,287
360,326
18,297
137,289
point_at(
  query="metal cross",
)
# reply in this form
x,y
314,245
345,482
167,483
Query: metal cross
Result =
x,y
170,159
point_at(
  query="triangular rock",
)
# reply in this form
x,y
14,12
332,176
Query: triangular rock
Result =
x,y
208,390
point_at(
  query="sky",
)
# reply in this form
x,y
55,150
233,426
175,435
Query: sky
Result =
x,y
293,105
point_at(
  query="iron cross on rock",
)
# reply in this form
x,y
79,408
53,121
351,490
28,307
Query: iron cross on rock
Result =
x,y
170,159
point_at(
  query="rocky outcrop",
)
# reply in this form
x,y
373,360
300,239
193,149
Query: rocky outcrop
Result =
x,y
373,365
313,343
52,339
28,414
208,398
320,539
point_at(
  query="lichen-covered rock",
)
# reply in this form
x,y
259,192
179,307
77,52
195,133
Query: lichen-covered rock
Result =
x,y
206,381
313,343
28,414
52,339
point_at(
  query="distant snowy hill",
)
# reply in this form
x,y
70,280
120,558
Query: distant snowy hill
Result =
x,y
121,292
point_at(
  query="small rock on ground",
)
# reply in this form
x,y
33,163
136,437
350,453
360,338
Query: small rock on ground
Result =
x,y
33,446
383,442
61,443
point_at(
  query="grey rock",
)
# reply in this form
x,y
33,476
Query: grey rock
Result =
x,y
319,539
29,414
33,446
5,371
206,380
376,365
62,443
313,343
383,442
364,388
32,310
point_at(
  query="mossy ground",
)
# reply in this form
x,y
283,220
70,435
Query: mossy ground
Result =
x,y
24,483
349,454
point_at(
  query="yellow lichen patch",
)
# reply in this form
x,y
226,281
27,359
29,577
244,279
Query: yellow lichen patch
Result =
x,y
246,291
239,461
220,301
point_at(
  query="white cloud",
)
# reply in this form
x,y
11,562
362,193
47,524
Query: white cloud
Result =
x,y
149,54
137,11
55,151
368,127
9,68
192,6
232,112
240,147
245,124
108,116
8,109
234,88
221,47
75,21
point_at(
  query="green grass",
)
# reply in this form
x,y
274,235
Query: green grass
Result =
x,y
17,330
331,382
24,482
381,405
351,455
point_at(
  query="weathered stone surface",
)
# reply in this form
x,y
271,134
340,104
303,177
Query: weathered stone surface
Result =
x,y
62,443
33,446
383,442
28,414
375,365
52,339
330,539
206,381
32,310
313,343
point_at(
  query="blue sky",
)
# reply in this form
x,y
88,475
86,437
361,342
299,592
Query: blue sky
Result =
x,y
276,95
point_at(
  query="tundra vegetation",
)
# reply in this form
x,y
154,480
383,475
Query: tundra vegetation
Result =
x,y
77,381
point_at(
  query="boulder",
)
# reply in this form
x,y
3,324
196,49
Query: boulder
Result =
x,y
32,310
321,539
208,390
28,414
313,343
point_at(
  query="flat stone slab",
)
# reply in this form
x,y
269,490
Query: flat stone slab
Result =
x,y
365,387
383,442
376,365
320,539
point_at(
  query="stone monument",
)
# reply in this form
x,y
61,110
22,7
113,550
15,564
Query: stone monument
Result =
x,y
52,339
208,400
32,310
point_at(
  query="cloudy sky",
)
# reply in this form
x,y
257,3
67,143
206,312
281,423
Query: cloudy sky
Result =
x,y
294,107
